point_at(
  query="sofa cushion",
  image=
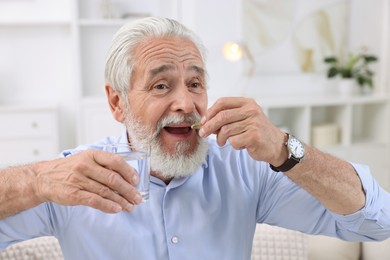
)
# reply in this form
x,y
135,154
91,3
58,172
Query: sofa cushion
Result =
x,y
325,248
275,243
42,248
376,250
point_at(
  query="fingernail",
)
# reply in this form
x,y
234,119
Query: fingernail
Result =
x,y
135,178
203,120
201,132
129,207
116,208
138,198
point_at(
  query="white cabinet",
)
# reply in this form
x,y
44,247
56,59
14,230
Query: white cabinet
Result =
x,y
28,134
362,123
359,119
96,121
95,25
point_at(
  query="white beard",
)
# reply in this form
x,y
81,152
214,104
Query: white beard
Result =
x,y
180,164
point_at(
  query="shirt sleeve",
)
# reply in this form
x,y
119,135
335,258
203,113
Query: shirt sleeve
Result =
x,y
373,221
24,225
38,221
283,203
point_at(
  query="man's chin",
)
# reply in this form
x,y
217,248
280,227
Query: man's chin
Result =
x,y
182,163
180,148
174,166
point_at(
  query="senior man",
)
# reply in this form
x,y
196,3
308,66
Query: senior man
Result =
x,y
206,194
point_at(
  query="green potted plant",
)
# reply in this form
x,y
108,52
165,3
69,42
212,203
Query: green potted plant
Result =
x,y
355,68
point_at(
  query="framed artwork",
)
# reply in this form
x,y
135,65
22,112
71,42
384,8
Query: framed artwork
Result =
x,y
293,36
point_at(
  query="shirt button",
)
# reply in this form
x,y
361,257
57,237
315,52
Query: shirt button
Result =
x,y
175,239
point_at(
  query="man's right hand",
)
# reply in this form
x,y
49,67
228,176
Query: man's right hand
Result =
x,y
92,178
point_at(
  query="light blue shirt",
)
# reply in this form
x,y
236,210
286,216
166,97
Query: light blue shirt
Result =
x,y
209,215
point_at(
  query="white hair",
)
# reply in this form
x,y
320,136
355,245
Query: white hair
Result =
x,y
120,62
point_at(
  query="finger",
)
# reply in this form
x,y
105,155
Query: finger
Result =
x,y
95,201
124,197
78,182
116,163
225,111
70,195
109,178
108,183
115,182
224,104
229,130
221,119
240,141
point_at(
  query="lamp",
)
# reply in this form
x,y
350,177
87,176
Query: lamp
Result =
x,y
234,52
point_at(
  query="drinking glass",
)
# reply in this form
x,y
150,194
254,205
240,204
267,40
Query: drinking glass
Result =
x,y
139,160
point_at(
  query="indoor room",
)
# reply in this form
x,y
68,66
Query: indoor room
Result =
x,y
317,70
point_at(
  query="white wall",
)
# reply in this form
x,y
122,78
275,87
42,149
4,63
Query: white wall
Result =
x,y
39,64
216,22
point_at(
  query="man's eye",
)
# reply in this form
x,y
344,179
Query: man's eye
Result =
x,y
195,85
160,87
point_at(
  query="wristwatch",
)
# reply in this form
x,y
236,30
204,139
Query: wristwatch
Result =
x,y
296,152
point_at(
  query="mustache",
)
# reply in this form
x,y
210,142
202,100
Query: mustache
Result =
x,y
177,119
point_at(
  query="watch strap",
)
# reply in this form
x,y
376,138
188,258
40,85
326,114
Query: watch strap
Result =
x,y
287,165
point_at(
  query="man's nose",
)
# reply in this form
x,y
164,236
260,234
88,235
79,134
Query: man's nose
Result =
x,y
183,100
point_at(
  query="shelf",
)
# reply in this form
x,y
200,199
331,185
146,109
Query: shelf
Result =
x,y
291,119
369,122
321,100
330,125
27,107
105,22
34,23
332,120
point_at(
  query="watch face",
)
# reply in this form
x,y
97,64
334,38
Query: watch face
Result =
x,y
296,147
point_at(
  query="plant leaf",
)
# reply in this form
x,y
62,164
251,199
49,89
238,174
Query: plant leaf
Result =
x,y
330,59
332,72
370,58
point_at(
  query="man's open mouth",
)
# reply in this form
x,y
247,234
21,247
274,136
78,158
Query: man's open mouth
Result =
x,y
178,130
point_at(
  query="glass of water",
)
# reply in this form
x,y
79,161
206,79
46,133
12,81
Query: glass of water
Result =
x,y
139,160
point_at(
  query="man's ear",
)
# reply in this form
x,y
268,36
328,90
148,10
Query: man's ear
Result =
x,y
116,104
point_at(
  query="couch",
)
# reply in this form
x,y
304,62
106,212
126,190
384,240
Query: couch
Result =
x,y
328,248
43,248
274,243
270,243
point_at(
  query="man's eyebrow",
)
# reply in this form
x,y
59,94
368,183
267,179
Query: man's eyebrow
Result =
x,y
197,69
160,69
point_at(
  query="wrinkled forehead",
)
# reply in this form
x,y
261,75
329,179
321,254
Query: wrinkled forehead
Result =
x,y
160,54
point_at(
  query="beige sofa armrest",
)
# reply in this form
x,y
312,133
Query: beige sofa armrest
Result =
x,y
42,248
376,250
325,248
